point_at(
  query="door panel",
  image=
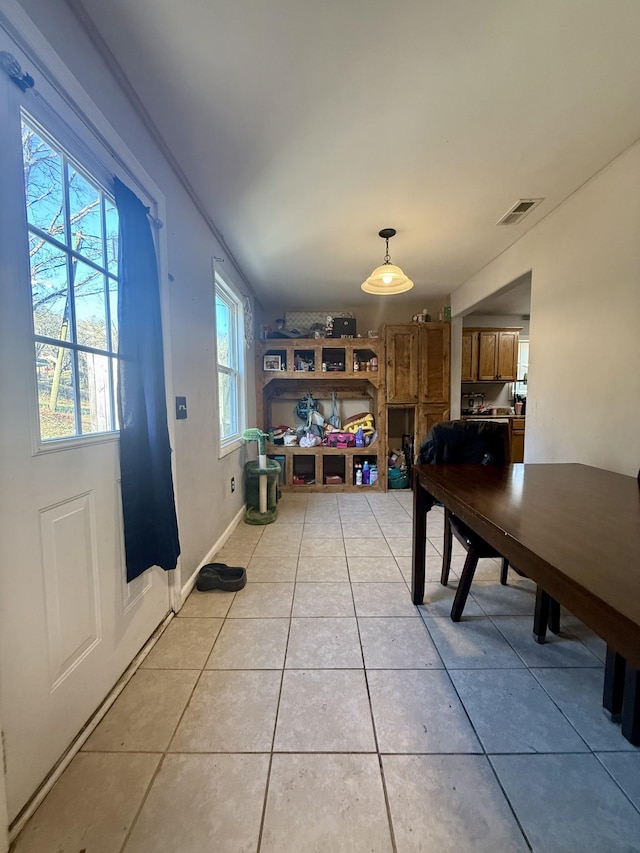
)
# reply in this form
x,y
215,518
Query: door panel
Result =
x,y
508,355
434,362
469,371
69,623
429,415
402,364
488,355
70,572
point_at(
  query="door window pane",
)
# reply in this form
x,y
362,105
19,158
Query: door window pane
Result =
x,y
113,312
111,231
73,252
56,400
95,392
44,189
85,217
49,289
91,317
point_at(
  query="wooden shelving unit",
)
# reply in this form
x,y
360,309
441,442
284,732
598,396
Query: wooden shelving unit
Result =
x,y
291,383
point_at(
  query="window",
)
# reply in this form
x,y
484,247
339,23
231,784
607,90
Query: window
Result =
x,y
523,369
73,249
229,324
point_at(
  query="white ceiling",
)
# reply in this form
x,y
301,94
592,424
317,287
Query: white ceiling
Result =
x,y
306,127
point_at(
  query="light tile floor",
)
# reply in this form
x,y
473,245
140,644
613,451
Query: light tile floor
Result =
x,y
319,710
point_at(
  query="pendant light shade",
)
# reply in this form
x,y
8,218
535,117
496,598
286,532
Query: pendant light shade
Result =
x,y
387,279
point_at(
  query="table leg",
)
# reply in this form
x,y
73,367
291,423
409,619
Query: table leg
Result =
x,y
541,617
422,502
554,616
446,549
464,585
631,706
613,684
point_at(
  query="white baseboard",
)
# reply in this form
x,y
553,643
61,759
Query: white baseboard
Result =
x,y
191,582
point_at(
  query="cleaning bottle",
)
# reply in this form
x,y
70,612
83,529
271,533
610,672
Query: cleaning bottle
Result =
x,y
365,473
360,437
358,474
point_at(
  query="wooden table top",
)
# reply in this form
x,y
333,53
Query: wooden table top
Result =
x,y
573,529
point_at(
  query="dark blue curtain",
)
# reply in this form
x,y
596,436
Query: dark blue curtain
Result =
x,y
150,523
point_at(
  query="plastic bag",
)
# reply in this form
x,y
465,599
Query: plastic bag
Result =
x,y
334,418
306,405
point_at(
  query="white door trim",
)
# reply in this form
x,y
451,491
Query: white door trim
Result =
x,y
25,38
33,43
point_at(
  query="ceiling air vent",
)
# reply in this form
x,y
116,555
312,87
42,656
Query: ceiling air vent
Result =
x,y
519,210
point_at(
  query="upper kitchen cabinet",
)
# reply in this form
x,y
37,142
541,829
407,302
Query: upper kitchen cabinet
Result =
x,y
417,363
489,355
469,355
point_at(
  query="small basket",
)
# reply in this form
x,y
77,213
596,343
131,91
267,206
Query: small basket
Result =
x,y
398,479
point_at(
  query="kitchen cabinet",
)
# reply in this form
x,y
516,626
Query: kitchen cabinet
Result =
x,y
286,369
417,376
469,355
489,355
417,363
517,439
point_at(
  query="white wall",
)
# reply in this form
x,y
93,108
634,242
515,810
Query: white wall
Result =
x,y
204,500
583,395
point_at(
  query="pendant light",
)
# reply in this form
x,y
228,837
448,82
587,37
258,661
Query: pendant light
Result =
x,y
387,279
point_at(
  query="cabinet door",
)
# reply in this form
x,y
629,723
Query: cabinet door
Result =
x,y
426,417
488,357
469,356
517,445
402,364
433,377
507,356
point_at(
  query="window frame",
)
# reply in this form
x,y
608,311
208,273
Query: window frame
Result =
x,y
69,160
520,385
229,297
67,114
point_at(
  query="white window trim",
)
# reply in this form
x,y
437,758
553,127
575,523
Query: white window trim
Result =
x,y
235,442
60,137
66,96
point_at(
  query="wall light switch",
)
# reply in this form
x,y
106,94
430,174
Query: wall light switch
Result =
x,y
181,408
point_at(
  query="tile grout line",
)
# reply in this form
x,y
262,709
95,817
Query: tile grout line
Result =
x,y
275,721
165,751
383,780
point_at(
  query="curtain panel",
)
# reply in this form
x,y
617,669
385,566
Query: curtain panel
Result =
x,y
148,505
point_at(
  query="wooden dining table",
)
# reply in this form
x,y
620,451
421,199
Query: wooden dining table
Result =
x,y
571,528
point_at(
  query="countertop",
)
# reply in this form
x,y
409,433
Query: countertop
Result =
x,y
484,417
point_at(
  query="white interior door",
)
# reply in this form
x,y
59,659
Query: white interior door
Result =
x,y
69,622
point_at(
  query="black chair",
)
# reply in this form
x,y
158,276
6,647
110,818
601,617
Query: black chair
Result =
x,y
484,443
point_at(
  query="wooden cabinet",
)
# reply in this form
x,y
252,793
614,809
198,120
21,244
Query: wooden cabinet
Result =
x,y
489,355
417,376
517,440
323,365
469,355
402,364
507,367
417,363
